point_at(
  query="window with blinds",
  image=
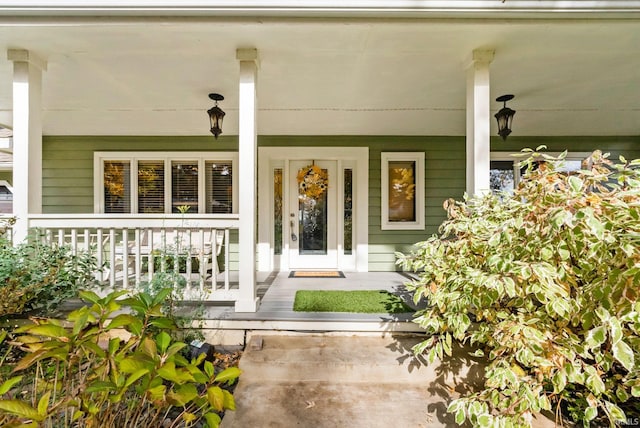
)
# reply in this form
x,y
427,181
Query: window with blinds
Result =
x,y
184,186
150,186
219,187
165,182
117,187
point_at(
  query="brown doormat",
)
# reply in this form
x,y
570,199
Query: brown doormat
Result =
x,y
316,274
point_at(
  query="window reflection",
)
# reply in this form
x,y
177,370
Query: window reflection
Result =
x,y
277,211
348,211
402,186
313,222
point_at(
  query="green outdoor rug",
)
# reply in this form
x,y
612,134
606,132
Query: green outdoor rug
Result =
x,y
361,301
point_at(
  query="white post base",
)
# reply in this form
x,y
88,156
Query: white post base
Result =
x,y
247,305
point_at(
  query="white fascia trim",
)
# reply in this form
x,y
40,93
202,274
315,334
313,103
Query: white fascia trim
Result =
x,y
334,8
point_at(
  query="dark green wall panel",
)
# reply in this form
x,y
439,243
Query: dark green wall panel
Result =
x,y
7,176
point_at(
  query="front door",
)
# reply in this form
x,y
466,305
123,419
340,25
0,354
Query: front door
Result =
x,y
312,217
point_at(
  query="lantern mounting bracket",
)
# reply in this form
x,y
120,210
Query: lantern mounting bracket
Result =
x,y
500,99
217,97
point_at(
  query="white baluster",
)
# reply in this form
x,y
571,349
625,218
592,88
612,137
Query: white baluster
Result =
x,y
125,258
99,255
138,256
225,243
112,255
74,241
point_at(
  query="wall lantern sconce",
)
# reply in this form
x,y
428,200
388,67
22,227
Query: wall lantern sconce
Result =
x,y
504,117
216,115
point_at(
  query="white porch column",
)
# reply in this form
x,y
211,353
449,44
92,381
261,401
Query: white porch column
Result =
x,y
248,160
27,138
478,122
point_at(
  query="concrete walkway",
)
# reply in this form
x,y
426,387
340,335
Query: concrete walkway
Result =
x,y
346,381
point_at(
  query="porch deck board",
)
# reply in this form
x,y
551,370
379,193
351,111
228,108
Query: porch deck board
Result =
x,y
277,304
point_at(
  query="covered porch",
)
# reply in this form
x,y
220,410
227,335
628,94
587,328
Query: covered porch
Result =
x,y
130,83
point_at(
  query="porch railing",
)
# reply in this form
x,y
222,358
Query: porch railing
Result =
x,y
133,249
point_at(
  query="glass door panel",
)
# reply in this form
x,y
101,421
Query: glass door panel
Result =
x,y
313,215
312,225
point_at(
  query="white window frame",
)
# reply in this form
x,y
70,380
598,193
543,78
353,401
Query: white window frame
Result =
x,y
516,158
419,195
99,159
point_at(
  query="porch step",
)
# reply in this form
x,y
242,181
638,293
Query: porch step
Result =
x,y
342,359
335,405
355,381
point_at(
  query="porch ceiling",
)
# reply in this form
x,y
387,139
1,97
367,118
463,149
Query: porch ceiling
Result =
x,y
151,76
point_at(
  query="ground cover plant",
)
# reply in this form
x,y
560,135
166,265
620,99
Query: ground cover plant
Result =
x,y
358,301
79,373
544,283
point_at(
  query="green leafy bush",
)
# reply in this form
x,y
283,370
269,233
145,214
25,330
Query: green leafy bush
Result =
x,y
167,261
36,278
80,373
544,283
186,314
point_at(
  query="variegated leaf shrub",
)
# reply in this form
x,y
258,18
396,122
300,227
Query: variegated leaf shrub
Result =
x,y
544,284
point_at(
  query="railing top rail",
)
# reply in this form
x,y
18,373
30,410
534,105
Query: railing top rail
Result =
x,y
129,216
134,221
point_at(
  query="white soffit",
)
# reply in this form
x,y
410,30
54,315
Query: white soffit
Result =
x,y
145,68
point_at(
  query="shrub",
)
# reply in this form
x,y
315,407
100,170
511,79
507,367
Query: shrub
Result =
x,y
84,375
187,315
544,283
36,278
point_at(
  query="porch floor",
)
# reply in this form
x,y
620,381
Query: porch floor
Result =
x,y
277,292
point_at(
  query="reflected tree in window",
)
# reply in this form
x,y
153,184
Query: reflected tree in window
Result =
x,y
150,187
116,187
313,183
501,177
277,211
348,211
402,186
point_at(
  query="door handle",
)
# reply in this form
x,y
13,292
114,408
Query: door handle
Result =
x,y
294,238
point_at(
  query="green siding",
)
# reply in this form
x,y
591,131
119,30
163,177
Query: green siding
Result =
x,y
444,178
68,171
7,176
